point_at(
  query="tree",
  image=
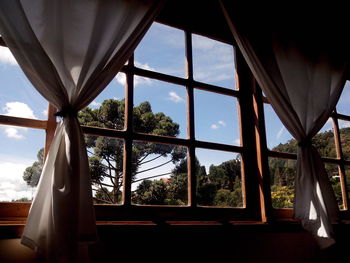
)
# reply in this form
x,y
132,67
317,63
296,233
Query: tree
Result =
x,y
32,174
282,171
106,154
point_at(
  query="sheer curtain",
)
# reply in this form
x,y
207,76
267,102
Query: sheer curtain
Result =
x,y
70,51
302,73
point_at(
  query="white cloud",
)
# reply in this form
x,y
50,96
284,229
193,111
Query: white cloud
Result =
x,y
173,96
280,132
168,35
12,132
12,185
203,43
6,57
222,123
95,104
218,125
45,113
213,60
144,66
237,141
16,109
121,77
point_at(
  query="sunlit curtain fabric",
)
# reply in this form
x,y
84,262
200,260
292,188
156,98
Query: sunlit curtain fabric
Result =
x,y
298,59
70,51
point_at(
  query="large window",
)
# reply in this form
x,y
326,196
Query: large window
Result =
x,y
181,133
174,139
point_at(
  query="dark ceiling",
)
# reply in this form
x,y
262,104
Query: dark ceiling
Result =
x,y
202,17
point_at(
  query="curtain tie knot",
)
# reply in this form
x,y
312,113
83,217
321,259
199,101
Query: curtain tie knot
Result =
x,y
67,111
305,142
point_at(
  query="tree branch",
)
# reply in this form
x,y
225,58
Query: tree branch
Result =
x,y
154,167
103,201
154,176
140,163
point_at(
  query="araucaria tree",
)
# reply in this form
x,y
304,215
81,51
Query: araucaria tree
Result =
x,y
106,154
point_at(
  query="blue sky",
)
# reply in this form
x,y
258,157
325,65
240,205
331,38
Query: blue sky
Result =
x,y
163,50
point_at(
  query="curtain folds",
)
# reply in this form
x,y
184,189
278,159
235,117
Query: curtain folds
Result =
x,y
302,73
70,51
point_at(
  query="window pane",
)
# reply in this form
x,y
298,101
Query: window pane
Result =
x,y
160,108
278,138
17,95
219,178
159,174
344,127
213,62
344,101
21,162
216,118
163,50
282,175
107,109
106,168
324,141
334,178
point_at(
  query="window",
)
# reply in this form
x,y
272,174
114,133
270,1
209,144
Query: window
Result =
x,y
331,142
181,133
179,129
166,133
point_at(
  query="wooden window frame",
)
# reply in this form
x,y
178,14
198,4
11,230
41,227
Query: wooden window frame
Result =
x,y
339,160
252,185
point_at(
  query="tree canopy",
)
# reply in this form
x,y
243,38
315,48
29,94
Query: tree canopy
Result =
x,y
283,171
106,154
220,186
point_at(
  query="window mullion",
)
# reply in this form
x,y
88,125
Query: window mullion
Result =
x,y
127,162
51,128
192,188
340,156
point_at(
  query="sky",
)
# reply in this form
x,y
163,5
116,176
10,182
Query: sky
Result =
x,y
162,50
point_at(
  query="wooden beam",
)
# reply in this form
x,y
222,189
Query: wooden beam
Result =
x,y
23,122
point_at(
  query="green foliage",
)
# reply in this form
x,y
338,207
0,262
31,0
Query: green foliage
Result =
x,y
282,196
32,174
22,200
283,171
106,154
221,187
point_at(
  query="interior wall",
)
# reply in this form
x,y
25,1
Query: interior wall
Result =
x,y
196,244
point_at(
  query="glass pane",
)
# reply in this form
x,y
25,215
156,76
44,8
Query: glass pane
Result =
x,y
160,109
213,62
334,178
344,127
106,168
21,162
219,178
216,118
344,101
163,50
107,109
159,174
324,141
282,175
17,95
278,138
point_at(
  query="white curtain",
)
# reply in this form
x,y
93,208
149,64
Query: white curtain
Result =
x,y
70,51
302,73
